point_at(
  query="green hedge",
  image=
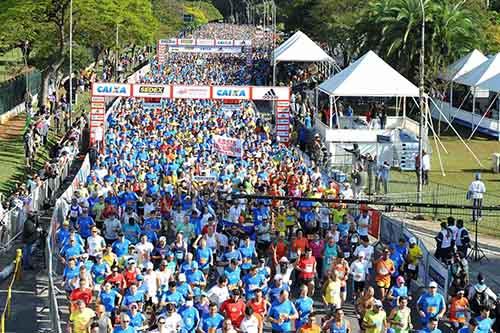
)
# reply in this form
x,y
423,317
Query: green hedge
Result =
x,y
12,92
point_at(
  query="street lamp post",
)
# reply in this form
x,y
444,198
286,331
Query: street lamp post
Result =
x,y
70,60
422,106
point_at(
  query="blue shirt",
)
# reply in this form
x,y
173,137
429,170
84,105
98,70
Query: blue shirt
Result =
x,y
195,276
137,320
430,305
304,306
173,297
119,329
84,225
233,276
190,317
120,248
211,322
131,232
277,309
108,299
203,256
484,324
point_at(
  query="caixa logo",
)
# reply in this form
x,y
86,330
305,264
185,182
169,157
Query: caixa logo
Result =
x,y
112,89
231,93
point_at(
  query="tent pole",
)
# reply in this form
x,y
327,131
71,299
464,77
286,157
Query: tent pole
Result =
x,y
457,134
316,98
473,107
397,106
331,111
336,112
432,129
436,144
484,115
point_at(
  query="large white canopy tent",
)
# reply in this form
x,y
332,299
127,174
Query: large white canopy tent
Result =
x,y
300,48
482,77
463,65
372,77
368,76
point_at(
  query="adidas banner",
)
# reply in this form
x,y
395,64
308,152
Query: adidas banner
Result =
x,y
271,93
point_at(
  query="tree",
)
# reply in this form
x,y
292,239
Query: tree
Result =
x,y
392,28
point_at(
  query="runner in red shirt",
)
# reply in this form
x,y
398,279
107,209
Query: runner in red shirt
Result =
x,y
307,270
83,292
116,278
234,308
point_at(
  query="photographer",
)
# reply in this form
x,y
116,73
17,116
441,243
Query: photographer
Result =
x,y
30,235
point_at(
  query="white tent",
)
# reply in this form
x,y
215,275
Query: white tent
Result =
x,y
300,48
463,65
369,76
481,73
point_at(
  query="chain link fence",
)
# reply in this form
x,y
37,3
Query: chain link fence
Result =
x,y
12,92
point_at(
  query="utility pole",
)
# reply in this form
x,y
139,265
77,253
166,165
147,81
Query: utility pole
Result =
x,y
70,61
273,13
423,110
116,54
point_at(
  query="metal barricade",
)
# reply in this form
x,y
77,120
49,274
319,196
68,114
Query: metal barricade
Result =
x,y
430,269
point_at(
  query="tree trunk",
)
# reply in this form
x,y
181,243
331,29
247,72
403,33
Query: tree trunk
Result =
x,y
43,95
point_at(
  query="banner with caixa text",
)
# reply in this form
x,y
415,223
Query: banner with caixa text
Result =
x,y
228,146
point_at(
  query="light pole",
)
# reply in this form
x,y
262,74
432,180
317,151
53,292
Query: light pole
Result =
x,y
422,107
70,60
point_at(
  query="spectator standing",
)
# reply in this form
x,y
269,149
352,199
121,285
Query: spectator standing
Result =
x,y
383,177
476,193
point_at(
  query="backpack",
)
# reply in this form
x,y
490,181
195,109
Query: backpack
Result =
x,y
479,300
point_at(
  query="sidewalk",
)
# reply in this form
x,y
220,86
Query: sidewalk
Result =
x,y
427,230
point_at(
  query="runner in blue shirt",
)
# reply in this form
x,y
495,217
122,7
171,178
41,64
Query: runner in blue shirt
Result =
x,y
204,255
304,307
484,322
172,295
233,274
252,281
121,245
282,313
432,326
85,223
124,326
109,297
213,319
431,304
247,251
190,315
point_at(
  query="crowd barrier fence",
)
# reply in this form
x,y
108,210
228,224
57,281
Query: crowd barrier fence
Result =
x,y
390,230
15,277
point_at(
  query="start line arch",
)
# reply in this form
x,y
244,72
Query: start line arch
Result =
x,y
101,90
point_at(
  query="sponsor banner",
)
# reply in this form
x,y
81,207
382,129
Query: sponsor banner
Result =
x,y
151,105
242,43
111,89
282,104
231,92
203,49
271,93
150,90
205,42
97,105
228,146
185,42
283,121
224,42
206,179
97,99
282,127
195,92
171,41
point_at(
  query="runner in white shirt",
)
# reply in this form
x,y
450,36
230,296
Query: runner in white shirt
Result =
x,y
368,250
363,223
250,323
151,283
359,271
219,293
144,249
95,243
173,321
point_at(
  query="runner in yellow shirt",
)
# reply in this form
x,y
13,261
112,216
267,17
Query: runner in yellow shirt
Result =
x,y
80,319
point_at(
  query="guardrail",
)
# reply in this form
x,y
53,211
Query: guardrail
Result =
x,y
15,277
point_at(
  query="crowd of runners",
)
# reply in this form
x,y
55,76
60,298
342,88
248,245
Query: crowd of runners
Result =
x,y
155,241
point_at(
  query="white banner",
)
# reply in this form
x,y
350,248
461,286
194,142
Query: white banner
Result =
x,y
231,92
242,43
228,146
207,179
111,89
205,42
195,92
149,90
203,49
186,42
271,93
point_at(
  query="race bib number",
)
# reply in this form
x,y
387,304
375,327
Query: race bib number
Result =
x,y
309,268
347,255
431,309
203,261
358,276
412,267
383,271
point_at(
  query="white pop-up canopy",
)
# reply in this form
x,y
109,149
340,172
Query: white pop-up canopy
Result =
x,y
369,76
481,73
300,48
463,65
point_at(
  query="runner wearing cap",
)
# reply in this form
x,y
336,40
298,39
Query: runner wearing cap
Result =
x,y
431,304
358,270
398,290
412,261
374,320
